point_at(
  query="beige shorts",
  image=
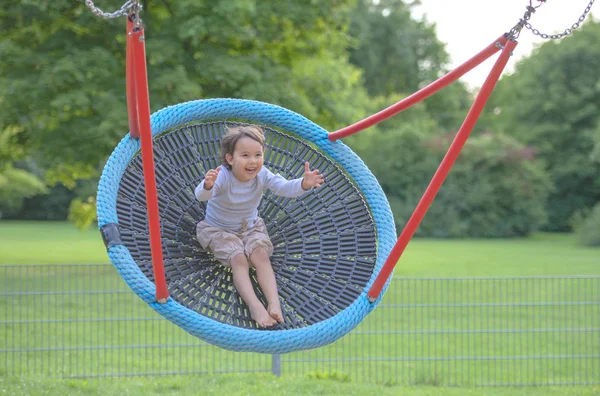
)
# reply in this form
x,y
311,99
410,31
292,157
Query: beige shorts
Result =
x,y
225,245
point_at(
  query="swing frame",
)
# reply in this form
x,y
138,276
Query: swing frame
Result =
x,y
139,121
142,130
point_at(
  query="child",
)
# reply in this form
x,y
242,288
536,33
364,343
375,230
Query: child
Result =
x,y
232,229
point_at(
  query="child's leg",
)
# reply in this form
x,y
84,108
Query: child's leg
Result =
x,y
243,285
266,279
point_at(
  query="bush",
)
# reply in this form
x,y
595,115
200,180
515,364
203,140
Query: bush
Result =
x,y
16,185
53,205
496,188
587,228
82,213
56,204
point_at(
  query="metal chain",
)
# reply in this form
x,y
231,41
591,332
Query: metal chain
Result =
x,y
123,11
567,32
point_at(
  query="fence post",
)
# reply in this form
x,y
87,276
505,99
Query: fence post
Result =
x,y
276,365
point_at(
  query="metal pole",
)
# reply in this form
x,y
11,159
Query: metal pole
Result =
x,y
442,172
276,365
421,94
143,114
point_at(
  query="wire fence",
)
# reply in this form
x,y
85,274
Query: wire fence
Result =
x,y
83,321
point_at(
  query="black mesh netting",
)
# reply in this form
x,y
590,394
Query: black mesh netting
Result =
x,y
325,242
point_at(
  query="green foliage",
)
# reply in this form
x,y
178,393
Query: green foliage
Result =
x,y
62,75
587,227
328,375
428,379
495,188
53,205
342,101
62,69
82,213
15,186
11,148
398,55
596,137
62,99
552,102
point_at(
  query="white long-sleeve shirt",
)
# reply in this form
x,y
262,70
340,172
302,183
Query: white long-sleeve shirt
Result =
x,y
231,202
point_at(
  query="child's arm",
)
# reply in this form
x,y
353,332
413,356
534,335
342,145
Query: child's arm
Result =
x,y
296,187
205,191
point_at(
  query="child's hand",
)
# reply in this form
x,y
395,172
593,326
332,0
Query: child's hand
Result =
x,y
211,176
311,178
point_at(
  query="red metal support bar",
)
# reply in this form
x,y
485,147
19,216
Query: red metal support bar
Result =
x,y
442,171
143,116
421,94
134,126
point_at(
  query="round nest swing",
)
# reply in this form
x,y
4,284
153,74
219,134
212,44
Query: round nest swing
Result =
x,y
329,245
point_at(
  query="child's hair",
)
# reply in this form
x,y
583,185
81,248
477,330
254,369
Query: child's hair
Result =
x,y
236,133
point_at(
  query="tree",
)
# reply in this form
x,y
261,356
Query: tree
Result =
x,y
400,55
493,189
62,69
16,184
397,53
552,102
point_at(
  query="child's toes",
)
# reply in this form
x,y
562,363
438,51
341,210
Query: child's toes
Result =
x,y
276,315
262,317
268,322
278,318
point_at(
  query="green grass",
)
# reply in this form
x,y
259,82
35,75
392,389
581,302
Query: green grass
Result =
x,y
49,242
539,255
76,333
256,384
542,254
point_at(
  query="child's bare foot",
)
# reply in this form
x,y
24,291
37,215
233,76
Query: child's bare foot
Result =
x,y
275,311
261,316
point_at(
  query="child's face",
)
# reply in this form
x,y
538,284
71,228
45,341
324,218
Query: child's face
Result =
x,y
247,159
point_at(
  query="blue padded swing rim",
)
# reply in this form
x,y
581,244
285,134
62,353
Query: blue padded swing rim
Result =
x,y
212,331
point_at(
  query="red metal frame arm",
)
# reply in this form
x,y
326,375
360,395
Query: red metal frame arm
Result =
x,y
421,94
442,172
134,126
143,117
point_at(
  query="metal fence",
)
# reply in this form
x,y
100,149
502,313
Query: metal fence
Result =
x,y
83,321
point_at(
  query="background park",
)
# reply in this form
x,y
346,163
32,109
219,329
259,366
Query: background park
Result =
x,y
522,201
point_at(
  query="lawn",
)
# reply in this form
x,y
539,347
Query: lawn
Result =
x,y
256,384
49,242
421,335
539,255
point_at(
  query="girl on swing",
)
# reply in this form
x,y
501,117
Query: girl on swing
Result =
x,y
232,230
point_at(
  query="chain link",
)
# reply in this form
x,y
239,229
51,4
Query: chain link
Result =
x,y
567,32
123,11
